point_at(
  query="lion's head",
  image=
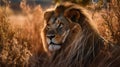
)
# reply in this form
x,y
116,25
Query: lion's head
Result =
x,y
59,27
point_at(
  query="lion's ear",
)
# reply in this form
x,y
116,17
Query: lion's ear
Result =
x,y
73,14
47,15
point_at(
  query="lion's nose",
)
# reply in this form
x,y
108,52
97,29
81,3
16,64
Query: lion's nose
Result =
x,y
50,36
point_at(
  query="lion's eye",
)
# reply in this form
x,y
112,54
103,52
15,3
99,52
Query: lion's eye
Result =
x,y
48,24
60,25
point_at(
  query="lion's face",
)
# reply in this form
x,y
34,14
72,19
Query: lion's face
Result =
x,y
57,29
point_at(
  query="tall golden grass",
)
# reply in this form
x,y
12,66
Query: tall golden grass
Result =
x,y
109,23
20,36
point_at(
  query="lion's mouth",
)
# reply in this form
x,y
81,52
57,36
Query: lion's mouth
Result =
x,y
52,43
53,46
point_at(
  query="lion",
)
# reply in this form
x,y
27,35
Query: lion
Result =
x,y
71,38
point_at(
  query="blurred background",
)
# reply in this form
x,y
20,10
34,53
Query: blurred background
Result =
x,y
46,3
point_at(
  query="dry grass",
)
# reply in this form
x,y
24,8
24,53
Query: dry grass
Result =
x,y
20,36
108,22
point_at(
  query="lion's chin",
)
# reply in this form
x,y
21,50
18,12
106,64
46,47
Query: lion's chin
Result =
x,y
54,47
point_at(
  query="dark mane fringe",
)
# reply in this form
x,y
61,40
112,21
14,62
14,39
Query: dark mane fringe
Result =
x,y
88,49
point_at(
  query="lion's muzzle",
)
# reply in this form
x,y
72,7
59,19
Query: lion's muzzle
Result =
x,y
52,45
